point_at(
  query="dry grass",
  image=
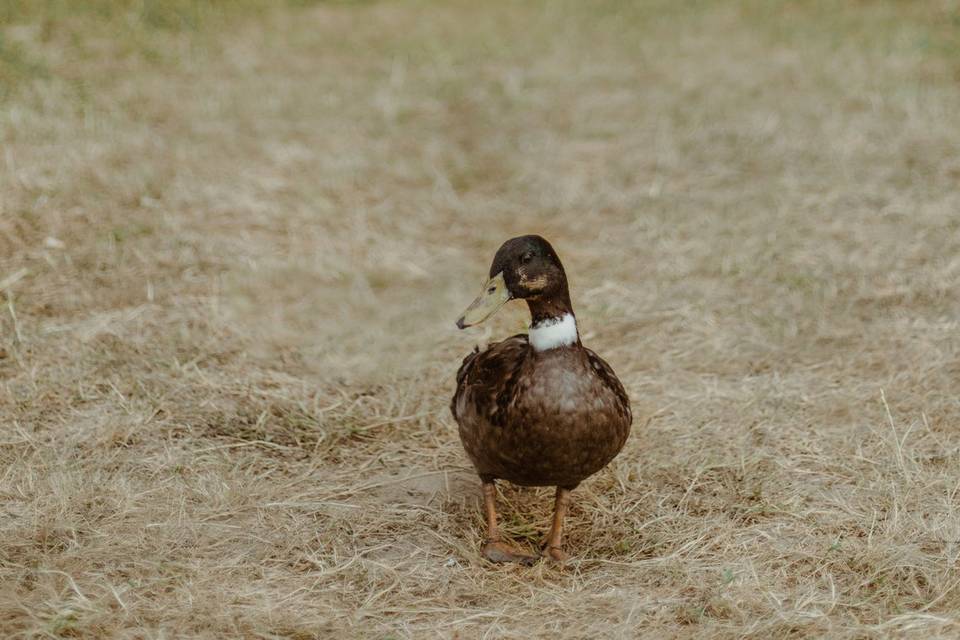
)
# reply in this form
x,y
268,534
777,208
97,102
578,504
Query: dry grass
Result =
x,y
233,240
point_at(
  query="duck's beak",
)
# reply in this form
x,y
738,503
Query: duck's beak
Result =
x,y
493,296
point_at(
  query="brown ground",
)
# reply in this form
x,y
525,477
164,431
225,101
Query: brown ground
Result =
x,y
233,242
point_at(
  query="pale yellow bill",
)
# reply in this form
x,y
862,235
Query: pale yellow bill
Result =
x,y
493,296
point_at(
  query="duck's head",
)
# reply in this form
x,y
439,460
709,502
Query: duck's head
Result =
x,y
524,268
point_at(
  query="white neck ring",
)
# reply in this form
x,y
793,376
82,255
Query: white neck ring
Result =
x,y
553,333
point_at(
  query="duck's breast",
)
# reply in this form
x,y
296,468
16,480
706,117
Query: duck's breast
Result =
x,y
566,421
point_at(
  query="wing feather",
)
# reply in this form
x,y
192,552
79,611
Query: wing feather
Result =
x,y
609,378
487,379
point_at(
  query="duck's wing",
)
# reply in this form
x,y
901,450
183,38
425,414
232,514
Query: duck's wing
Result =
x,y
486,379
611,381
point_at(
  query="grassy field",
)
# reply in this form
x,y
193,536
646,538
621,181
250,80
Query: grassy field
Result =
x,y
234,238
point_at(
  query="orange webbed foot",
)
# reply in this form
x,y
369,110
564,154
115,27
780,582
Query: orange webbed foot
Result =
x,y
500,552
555,554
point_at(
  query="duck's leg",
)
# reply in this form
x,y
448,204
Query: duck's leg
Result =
x,y
495,549
553,547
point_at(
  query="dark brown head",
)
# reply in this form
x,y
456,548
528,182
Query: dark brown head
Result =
x,y
524,268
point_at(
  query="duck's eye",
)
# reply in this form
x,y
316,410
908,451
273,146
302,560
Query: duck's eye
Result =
x,y
525,258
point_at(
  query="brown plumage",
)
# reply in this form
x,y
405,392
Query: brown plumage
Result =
x,y
540,410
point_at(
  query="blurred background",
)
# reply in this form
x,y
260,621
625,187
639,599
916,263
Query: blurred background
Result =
x,y
235,236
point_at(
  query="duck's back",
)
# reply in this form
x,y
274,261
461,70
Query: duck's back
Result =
x,y
539,418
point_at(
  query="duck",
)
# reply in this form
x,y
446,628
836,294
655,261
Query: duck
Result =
x,y
538,408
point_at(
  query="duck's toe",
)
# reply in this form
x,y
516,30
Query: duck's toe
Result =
x,y
503,552
555,553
